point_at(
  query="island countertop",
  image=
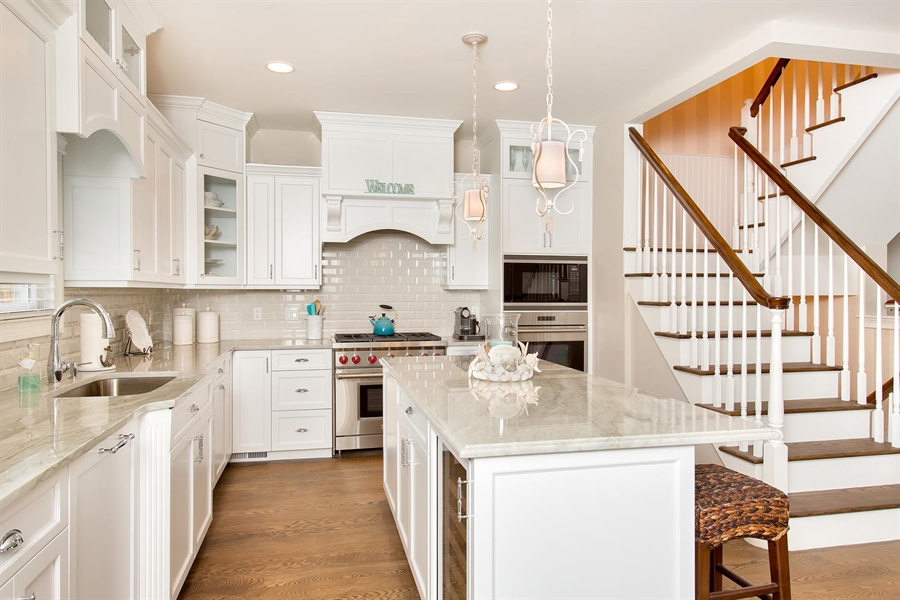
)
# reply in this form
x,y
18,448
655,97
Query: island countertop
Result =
x,y
558,410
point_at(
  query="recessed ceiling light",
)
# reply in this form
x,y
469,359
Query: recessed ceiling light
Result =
x,y
277,66
506,86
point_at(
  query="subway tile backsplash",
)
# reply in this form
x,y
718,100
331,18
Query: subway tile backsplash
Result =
x,y
383,267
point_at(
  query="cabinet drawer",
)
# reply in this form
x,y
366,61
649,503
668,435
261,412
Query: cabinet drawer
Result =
x,y
414,416
189,406
301,391
301,430
300,360
39,516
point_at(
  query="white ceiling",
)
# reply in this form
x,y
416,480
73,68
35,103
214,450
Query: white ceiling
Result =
x,y
408,58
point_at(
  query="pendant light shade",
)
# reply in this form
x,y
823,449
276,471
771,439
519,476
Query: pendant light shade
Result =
x,y
551,154
473,188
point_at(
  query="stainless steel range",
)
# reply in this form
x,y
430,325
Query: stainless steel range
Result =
x,y
358,396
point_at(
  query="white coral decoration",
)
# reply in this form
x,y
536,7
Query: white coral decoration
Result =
x,y
505,400
503,363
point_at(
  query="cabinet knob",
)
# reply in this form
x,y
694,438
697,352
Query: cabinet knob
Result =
x,y
302,430
31,597
202,155
194,408
221,370
301,390
221,386
12,540
409,410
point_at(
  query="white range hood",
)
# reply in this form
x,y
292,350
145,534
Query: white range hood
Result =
x,y
381,172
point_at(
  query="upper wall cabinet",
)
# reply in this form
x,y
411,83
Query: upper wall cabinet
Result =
x,y
386,173
29,242
101,71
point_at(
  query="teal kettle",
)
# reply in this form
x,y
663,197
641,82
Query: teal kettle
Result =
x,y
383,325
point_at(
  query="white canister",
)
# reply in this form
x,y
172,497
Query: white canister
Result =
x,y
314,327
93,345
207,327
185,310
182,330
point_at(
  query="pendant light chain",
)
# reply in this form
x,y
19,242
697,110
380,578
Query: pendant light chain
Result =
x,y
474,108
549,58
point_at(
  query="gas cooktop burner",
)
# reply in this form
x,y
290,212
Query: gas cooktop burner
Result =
x,y
368,338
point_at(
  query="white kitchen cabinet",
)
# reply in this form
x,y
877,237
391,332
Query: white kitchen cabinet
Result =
x,y
101,72
223,251
220,147
283,242
29,236
125,231
282,403
220,397
102,525
524,232
465,264
44,576
191,477
391,443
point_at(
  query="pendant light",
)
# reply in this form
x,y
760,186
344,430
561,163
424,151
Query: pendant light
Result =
x,y
551,155
473,188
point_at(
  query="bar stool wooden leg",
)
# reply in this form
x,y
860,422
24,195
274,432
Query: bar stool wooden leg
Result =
x,y
703,580
716,575
779,568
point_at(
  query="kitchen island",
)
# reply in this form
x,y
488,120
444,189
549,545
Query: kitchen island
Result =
x,y
565,486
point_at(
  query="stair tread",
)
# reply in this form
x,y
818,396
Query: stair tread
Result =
x,y
804,405
737,334
856,81
772,195
820,450
709,250
846,500
812,128
752,225
788,367
643,274
701,303
799,161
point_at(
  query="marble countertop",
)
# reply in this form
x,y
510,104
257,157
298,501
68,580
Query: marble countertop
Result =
x,y
558,410
41,433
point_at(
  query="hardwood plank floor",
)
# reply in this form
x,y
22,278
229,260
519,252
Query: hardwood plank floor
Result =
x,y
321,529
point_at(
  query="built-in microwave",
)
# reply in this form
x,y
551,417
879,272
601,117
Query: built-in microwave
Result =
x,y
543,282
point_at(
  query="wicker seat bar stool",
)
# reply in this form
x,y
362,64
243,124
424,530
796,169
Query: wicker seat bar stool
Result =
x,y
728,506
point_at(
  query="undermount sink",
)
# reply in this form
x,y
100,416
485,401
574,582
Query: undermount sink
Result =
x,y
117,386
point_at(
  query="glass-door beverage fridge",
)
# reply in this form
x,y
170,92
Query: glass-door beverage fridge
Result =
x,y
453,538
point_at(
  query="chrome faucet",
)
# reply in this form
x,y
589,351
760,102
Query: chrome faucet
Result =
x,y
55,365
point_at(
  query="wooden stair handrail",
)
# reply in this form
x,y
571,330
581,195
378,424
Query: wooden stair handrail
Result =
x,y
737,266
886,390
879,275
771,80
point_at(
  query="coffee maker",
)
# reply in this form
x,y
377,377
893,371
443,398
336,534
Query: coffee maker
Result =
x,y
465,326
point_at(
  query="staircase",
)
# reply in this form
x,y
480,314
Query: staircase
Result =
x,y
765,321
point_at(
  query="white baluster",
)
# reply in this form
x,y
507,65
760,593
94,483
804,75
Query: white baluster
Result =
x,y
835,98
639,225
829,339
790,258
816,338
820,99
673,280
683,307
757,446
861,381
664,274
878,413
775,453
777,284
894,423
736,217
654,249
717,339
645,265
795,142
692,345
803,258
704,346
745,205
729,375
845,346
807,137
745,377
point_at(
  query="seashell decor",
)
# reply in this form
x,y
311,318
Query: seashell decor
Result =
x,y
505,400
503,363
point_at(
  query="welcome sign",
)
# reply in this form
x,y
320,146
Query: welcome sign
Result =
x,y
373,186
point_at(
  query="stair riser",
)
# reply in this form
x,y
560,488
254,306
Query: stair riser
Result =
x,y
658,318
677,352
705,260
641,288
855,471
844,529
835,425
821,384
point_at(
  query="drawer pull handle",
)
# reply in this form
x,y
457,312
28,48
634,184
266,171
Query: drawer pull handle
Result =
x,y
12,540
123,439
301,390
195,408
409,410
199,440
32,596
302,430
301,360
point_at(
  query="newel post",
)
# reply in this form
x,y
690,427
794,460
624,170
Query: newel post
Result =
x,y
775,455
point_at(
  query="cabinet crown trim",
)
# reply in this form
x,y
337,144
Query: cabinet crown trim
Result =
x,y
353,122
276,170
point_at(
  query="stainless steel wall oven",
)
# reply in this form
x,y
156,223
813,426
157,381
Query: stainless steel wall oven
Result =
x,y
559,337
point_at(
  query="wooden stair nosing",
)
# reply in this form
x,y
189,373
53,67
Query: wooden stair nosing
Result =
x,y
797,162
700,303
788,367
645,274
708,250
843,501
772,195
751,226
751,333
822,450
793,407
812,128
855,82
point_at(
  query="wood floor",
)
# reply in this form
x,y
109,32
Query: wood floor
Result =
x,y
322,529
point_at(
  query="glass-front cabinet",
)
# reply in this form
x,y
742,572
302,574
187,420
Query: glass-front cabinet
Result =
x,y
112,32
518,160
222,235
98,25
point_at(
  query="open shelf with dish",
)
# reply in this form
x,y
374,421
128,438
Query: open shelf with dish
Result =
x,y
222,249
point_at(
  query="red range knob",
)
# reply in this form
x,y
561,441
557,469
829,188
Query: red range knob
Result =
x,y
436,354
424,354
372,358
355,359
409,354
342,359
390,356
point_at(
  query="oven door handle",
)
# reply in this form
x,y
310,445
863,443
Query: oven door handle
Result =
x,y
527,330
379,375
